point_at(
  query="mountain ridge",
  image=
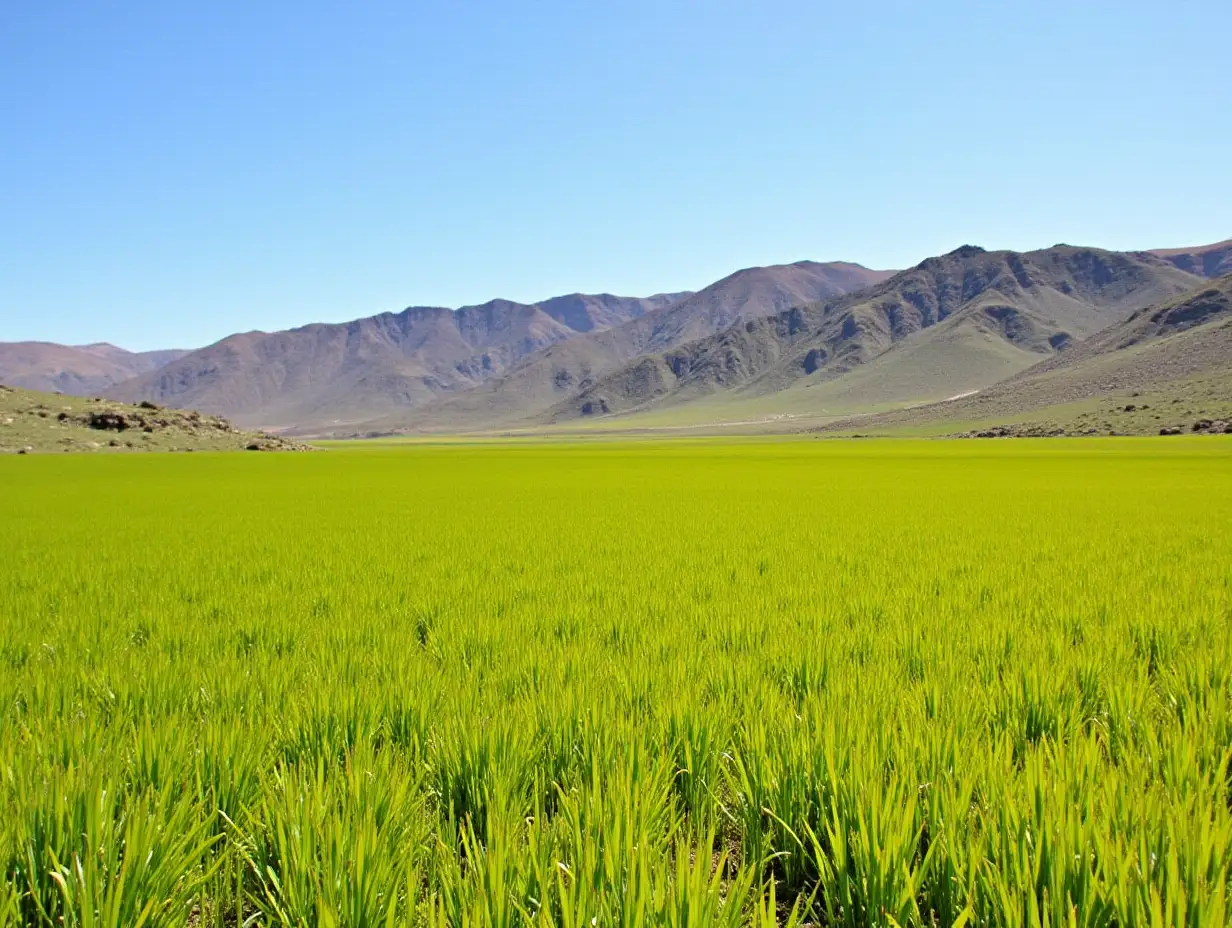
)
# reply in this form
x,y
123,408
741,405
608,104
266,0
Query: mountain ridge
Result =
x,y
329,375
1210,261
1167,366
1035,302
322,371
808,334
546,378
49,367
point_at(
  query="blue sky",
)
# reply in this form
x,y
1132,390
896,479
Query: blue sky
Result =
x,y
171,173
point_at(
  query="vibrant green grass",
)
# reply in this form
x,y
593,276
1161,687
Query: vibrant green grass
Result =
x,y
682,684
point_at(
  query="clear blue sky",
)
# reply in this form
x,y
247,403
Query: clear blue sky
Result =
x,y
174,172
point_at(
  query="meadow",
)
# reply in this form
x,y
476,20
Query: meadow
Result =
x,y
689,683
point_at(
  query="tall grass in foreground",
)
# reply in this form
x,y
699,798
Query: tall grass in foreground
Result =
x,y
659,684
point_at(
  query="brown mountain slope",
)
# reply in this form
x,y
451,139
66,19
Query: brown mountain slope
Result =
x,y
139,362
562,370
1208,303
1005,309
586,312
751,294
1206,261
81,370
1166,366
329,373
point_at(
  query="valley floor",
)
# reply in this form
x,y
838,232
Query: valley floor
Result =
x,y
694,682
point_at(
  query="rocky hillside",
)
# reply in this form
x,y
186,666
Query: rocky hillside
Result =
x,y
1167,368
1206,261
33,422
1013,307
334,373
563,370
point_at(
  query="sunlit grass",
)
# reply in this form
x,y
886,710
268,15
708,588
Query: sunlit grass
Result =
x,y
686,683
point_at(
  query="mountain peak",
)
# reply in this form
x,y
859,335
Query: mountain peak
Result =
x,y
966,251
961,253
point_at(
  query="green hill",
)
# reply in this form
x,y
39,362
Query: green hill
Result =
x,y
32,422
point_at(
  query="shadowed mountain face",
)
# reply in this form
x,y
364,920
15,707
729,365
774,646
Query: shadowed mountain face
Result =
x,y
1205,261
1166,366
1203,305
1208,307
1015,307
82,369
325,376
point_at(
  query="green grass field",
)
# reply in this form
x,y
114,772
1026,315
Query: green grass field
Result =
x,y
647,683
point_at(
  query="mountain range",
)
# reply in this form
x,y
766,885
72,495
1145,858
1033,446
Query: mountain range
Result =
x,y
1164,369
329,374
953,323
1211,261
806,340
76,369
392,365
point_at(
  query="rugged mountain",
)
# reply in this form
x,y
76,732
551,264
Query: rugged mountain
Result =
x,y
586,312
75,369
953,323
327,377
548,377
1167,366
1202,305
1206,261
335,373
749,294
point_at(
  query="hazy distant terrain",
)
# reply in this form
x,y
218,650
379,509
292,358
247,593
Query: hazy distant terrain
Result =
x,y
81,369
